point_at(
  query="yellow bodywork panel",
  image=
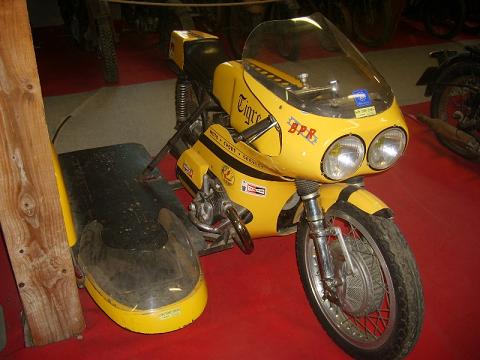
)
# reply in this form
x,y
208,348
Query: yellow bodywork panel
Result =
x,y
167,318
246,181
65,204
295,148
193,166
244,108
307,136
361,198
177,41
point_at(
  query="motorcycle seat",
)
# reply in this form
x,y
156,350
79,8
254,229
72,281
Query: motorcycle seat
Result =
x,y
201,59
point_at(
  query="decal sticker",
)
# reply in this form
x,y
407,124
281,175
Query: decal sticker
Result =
x,y
297,128
228,175
363,112
169,314
361,98
253,189
187,169
231,148
250,115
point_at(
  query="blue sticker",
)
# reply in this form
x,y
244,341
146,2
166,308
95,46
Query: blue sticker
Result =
x,y
361,98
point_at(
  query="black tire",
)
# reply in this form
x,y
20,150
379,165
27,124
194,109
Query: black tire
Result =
x,y
340,15
450,100
241,22
107,52
373,21
380,253
445,18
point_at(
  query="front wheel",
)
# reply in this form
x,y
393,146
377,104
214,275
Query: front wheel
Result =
x,y
376,312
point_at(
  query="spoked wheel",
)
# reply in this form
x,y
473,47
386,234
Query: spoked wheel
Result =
x,y
459,105
377,311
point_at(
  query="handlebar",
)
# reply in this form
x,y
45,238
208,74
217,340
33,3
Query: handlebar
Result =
x,y
255,131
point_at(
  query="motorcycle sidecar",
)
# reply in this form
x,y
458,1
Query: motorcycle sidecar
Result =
x,y
134,247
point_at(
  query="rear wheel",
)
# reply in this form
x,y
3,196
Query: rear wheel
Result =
x,y
378,311
444,19
459,105
107,51
242,20
372,22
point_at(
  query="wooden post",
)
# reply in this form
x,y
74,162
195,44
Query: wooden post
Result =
x,y
30,212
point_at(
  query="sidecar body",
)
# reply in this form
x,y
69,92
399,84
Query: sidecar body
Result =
x,y
130,240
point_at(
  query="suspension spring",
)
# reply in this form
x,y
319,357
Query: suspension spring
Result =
x,y
183,88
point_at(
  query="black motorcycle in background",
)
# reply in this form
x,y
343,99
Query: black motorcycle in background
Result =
x,y
454,86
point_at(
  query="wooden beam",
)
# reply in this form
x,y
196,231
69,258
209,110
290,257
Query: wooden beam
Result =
x,y
30,212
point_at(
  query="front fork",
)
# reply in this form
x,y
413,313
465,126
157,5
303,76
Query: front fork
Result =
x,y
308,191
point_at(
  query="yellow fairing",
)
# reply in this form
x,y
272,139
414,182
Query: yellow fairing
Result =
x,y
305,143
361,198
66,211
243,106
161,320
193,166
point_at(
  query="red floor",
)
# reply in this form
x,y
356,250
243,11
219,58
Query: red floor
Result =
x,y
256,306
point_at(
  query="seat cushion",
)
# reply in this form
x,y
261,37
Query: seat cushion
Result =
x,y
201,59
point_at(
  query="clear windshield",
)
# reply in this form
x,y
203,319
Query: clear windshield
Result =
x,y
310,64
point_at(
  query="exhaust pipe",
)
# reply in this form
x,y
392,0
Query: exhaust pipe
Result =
x,y
451,133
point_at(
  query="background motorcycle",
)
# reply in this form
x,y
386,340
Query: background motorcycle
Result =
x,y
454,86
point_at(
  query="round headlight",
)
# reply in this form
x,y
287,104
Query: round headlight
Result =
x,y
343,157
386,148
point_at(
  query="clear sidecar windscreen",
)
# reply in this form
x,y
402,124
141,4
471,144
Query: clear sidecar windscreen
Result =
x,y
311,65
162,271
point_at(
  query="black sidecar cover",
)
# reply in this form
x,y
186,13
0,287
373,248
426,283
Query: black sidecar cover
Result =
x,y
135,245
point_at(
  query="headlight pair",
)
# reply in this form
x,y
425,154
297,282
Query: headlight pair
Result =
x,y
346,154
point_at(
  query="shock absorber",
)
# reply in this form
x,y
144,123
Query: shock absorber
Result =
x,y
308,191
183,89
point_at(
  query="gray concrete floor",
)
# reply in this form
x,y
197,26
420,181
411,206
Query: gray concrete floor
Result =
x,y
144,113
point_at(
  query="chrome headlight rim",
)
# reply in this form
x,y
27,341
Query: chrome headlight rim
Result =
x,y
372,143
360,162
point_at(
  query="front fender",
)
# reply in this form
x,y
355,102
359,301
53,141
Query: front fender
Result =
x,y
355,195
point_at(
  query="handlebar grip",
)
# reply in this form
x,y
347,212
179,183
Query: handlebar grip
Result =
x,y
255,131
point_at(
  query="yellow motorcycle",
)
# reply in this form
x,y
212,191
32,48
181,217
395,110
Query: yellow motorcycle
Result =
x,y
276,143
272,144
